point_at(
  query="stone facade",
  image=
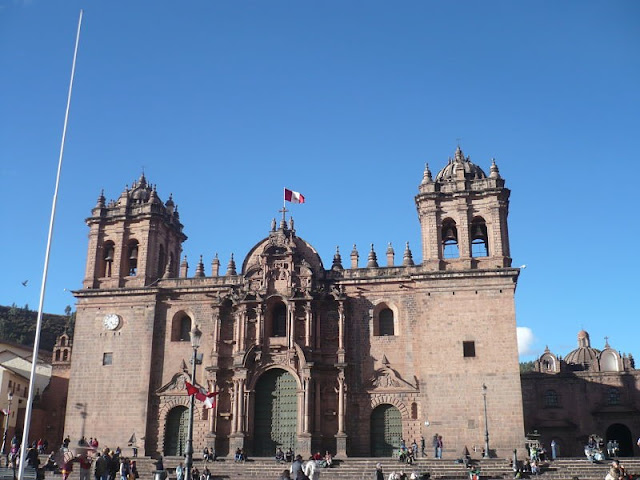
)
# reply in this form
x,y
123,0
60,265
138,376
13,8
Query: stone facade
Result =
x,y
365,355
588,392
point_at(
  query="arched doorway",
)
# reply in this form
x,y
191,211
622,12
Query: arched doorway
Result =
x,y
175,432
622,434
386,430
276,413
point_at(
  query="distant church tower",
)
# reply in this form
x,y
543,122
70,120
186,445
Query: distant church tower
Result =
x,y
133,241
463,217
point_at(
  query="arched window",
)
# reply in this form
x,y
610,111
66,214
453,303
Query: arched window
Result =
x,y
108,252
479,239
551,398
450,239
609,362
279,320
414,411
63,342
613,396
385,322
180,328
57,358
65,355
132,258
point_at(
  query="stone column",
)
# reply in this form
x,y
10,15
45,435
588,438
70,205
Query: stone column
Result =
x,y
341,436
259,324
234,412
341,351
213,414
308,324
305,426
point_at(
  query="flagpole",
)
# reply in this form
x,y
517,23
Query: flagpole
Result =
x,y
36,344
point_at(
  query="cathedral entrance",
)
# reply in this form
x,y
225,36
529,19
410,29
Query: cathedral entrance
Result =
x,y
386,430
276,413
175,433
622,434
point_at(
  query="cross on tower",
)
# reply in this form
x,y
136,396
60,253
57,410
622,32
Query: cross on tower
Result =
x,y
283,211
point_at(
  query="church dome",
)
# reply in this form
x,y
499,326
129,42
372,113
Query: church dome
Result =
x,y
584,355
460,162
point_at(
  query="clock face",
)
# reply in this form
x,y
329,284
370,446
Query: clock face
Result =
x,y
111,321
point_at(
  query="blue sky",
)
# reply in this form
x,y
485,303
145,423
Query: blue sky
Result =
x,y
225,103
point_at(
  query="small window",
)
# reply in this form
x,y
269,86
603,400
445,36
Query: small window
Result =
x,y
65,355
107,358
385,322
57,359
279,321
469,349
613,396
551,398
10,384
414,411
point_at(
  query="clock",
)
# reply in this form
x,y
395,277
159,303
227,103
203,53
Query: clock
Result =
x,y
111,321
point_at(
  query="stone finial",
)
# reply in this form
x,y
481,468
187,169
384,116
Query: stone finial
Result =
x,y
459,156
215,266
184,268
101,200
372,261
168,268
427,178
407,258
231,267
493,171
291,224
390,255
200,268
175,212
337,260
354,257
273,224
169,204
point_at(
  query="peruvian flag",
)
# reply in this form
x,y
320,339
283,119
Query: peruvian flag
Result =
x,y
208,398
293,197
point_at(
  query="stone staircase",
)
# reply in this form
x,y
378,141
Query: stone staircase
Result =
x,y
363,468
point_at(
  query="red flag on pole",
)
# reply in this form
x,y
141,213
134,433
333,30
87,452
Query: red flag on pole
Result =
x,y
208,398
293,197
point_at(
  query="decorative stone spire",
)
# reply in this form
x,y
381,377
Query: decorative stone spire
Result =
x,y
291,224
215,266
200,269
175,212
354,257
390,255
372,261
459,156
493,171
407,258
184,268
273,225
337,260
101,200
231,267
427,178
168,268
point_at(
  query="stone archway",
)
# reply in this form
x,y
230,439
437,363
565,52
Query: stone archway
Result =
x,y
386,430
622,434
175,432
275,412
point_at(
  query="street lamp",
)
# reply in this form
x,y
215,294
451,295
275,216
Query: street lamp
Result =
x,y
196,336
6,421
486,423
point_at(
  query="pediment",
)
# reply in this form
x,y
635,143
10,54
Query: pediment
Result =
x,y
176,386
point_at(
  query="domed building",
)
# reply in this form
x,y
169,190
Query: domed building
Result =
x,y
587,392
350,358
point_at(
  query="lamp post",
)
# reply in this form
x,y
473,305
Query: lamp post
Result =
x,y
6,421
486,423
196,336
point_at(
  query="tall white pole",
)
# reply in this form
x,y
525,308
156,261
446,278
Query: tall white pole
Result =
x,y
36,344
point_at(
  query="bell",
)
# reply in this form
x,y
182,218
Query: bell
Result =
x,y
134,254
109,256
449,234
478,231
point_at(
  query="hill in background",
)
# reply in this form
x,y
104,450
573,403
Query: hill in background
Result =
x,y
18,325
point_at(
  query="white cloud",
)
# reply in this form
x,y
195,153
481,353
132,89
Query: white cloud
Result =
x,y
526,339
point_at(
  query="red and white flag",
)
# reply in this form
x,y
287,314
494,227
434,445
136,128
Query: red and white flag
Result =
x,y
293,197
208,398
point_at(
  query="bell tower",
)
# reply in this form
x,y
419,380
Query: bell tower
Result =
x,y
133,241
463,217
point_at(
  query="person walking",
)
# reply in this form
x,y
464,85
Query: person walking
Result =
x,y
378,475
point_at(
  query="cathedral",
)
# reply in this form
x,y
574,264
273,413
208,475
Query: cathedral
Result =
x,y
352,358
